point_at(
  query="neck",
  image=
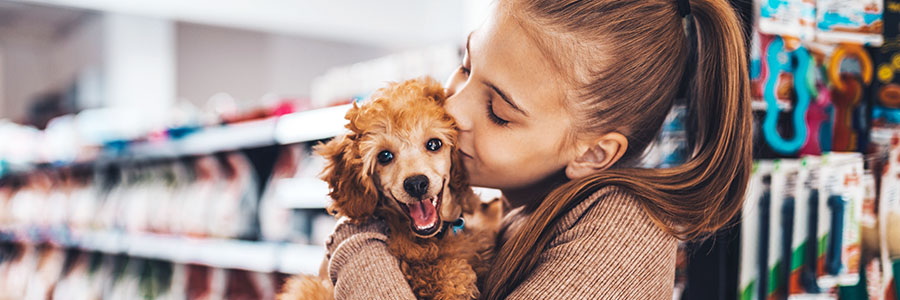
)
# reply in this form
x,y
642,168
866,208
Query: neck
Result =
x,y
533,194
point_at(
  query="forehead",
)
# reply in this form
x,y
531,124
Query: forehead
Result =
x,y
512,58
405,121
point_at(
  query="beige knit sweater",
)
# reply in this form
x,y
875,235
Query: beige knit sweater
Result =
x,y
605,248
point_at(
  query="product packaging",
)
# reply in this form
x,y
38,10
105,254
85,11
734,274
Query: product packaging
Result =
x,y
849,72
783,205
886,108
889,203
805,246
889,222
794,18
753,276
854,21
795,62
840,211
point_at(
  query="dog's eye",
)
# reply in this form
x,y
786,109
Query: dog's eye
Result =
x,y
433,145
384,157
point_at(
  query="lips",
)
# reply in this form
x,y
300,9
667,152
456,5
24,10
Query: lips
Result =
x,y
424,215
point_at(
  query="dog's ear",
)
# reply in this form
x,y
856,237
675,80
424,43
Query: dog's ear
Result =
x,y
353,193
464,199
432,89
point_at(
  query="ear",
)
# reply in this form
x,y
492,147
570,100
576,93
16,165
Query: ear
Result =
x,y
353,193
463,198
598,155
433,89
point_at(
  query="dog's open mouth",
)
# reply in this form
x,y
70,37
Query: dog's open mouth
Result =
x,y
425,215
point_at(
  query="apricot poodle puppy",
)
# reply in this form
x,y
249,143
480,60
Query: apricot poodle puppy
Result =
x,y
399,163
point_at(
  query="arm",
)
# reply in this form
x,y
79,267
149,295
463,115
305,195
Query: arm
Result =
x,y
360,265
613,252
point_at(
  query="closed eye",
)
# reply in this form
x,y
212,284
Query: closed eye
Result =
x,y
493,116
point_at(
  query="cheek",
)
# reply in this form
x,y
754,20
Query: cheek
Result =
x,y
507,160
386,176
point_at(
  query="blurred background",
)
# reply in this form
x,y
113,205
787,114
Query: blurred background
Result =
x,y
162,149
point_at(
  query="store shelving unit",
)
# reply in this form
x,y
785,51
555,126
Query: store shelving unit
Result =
x,y
302,193
266,257
292,128
258,256
311,125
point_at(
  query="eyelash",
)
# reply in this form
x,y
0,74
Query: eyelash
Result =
x,y
491,115
464,70
490,103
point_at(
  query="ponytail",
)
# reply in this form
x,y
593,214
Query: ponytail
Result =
x,y
691,200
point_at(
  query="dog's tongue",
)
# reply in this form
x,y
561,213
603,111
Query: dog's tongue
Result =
x,y
422,213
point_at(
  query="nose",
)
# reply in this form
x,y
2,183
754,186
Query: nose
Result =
x,y
416,186
454,106
456,109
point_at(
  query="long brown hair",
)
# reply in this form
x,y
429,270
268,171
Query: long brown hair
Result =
x,y
629,59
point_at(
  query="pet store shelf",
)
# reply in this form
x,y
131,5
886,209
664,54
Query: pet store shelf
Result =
x,y
292,128
210,140
302,193
311,125
220,253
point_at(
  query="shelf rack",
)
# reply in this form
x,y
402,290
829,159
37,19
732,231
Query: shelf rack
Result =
x,y
266,257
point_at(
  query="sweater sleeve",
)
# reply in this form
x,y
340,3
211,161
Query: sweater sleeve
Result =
x,y
360,265
612,251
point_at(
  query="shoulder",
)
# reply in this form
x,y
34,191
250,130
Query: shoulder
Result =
x,y
612,222
610,207
609,238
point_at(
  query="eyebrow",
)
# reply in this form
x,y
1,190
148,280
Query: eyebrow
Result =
x,y
503,95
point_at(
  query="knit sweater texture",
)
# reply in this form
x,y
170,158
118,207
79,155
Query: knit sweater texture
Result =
x,y
605,248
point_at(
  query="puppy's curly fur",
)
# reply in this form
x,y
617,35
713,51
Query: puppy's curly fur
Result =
x,y
404,119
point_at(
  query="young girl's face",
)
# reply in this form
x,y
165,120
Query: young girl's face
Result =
x,y
509,102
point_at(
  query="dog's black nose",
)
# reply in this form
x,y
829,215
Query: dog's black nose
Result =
x,y
416,186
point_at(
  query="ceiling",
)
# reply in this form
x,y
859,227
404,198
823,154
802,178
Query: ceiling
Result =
x,y
383,23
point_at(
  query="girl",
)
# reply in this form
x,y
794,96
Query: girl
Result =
x,y
556,101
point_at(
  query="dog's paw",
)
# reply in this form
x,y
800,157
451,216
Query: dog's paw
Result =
x,y
306,287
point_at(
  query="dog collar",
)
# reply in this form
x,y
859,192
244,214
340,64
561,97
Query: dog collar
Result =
x,y
458,225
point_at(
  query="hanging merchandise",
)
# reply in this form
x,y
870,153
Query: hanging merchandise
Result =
x,y
756,66
807,229
781,211
794,18
800,232
840,209
851,123
669,149
889,205
853,21
888,219
753,277
778,60
819,122
869,221
772,80
886,109
800,227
